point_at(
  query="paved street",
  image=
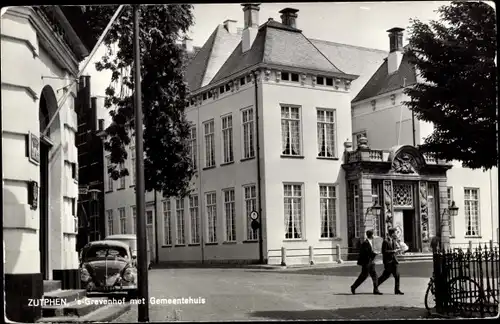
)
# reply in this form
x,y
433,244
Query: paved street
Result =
x,y
255,294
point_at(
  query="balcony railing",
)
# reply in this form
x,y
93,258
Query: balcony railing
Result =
x,y
372,155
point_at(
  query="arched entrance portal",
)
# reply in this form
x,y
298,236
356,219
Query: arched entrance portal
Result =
x,y
47,108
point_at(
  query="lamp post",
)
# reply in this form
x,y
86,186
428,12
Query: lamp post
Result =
x,y
452,211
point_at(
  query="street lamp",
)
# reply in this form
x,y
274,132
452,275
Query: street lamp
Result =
x,y
452,210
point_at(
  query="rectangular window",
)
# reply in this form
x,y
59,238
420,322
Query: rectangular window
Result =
x,y
326,133
376,199
328,210
221,90
122,179
228,87
290,131
227,139
357,216
250,198
294,77
167,217
209,143
134,219
205,96
293,211
229,215
109,214
210,94
242,81
109,180
132,165
285,76
192,147
179,210
471,207
195,219
329,81
123,221
248,133
449,195
320,80
212,217
149,217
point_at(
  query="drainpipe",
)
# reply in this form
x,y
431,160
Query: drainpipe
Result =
x,y
413,126
201,197
259,195
492,209
157,257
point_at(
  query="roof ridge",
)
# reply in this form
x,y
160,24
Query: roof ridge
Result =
x,y
322,53
349,45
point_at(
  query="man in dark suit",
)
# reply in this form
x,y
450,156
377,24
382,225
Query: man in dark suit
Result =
x,y
366,261
389,249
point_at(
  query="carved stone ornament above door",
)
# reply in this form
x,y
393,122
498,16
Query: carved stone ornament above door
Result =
x,y
407,160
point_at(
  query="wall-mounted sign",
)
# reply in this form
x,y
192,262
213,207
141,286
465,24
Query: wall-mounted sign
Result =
x,y
33,194
254,215
33,148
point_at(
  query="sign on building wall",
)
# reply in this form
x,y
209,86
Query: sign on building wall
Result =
x,y
33,148
33,194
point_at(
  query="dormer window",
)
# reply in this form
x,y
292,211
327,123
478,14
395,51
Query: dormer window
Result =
x,y
249,78
205,96
210,94
320,80
221,90
295,77
329,82
285,76
242,81
228,87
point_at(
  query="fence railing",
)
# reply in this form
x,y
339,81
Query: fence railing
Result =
x,y
338,254
467,281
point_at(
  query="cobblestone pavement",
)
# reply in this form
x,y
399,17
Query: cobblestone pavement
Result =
x,y
252,294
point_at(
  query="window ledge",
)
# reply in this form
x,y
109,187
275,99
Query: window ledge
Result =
x,y
212,243
247,159
194,244
230,242
292,156
473,236
208,168
329,239
180,245
250,241
327,158
118,189
109,191
167,246
227,163
294,240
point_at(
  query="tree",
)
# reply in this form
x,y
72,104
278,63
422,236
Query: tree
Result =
x,y
167,164
455,56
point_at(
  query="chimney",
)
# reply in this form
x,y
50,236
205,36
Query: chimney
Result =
x,y
230,26
251,25
289,17
396,49
187,43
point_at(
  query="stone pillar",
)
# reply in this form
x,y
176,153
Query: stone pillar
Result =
x,y
366,202
388,205
424,216
444,215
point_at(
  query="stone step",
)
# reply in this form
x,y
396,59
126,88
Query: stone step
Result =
x,y
102,314
67,296
79,308
51,285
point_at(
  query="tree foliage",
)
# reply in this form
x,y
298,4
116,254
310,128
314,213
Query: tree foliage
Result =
x,y
167,164
455,56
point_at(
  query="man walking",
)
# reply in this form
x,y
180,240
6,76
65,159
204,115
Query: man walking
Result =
x,y
366,261
389,250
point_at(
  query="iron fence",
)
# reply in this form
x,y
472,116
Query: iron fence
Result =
x,y
467,281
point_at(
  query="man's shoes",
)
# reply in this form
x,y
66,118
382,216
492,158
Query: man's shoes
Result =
x,y
399,292
353,290
376,292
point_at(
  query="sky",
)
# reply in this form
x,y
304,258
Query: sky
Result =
x,y
355,23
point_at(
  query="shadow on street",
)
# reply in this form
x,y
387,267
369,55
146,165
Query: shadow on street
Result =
x,y
383,312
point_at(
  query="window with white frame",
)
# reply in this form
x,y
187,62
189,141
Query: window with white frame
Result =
x,y
357,216
293,210
195,219
167,220
212,217
193,147
179,210
356,137
449,195
227,139
248,133
123,221
471,206
250,198
376,199
328,210
132,165
122,179
134,219
109,180
290,131
109,214
326,133
229,215
209,143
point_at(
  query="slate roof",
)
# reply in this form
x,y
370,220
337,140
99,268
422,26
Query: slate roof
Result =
x,y
382,82
277,44
212,55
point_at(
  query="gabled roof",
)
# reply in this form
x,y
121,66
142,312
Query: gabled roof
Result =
x,y
382,82
277,44
205,64
351,59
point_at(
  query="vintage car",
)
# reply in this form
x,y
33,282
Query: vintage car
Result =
x,y
131,240
107,267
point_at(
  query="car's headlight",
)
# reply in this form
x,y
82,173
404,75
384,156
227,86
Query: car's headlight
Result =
x,y
85,275
128,275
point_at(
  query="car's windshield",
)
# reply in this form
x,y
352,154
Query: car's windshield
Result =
x,y
106,251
